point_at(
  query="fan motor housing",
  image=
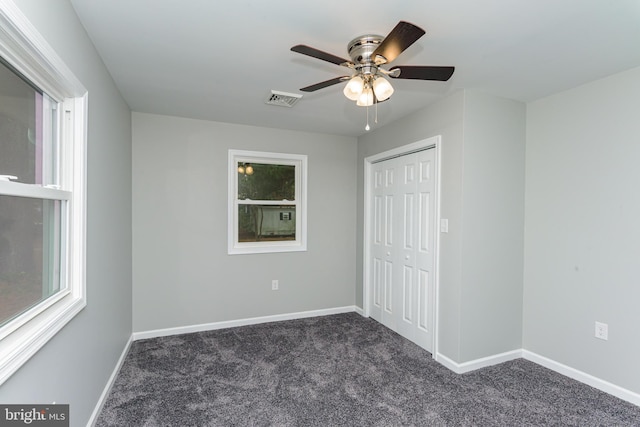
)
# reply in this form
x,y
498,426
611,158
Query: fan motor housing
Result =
x,y
361,48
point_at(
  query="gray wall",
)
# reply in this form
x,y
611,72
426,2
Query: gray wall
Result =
x,y
492,226
182,273
582,234
75,365
482,190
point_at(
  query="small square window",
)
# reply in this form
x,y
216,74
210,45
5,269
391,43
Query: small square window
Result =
x,y
267,202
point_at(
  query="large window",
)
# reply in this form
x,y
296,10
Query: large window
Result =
x,y
267,209
30,226
42,159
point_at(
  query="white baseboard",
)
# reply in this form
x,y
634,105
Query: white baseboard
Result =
x,y
240,322
583,377
359,311
109,385
472,365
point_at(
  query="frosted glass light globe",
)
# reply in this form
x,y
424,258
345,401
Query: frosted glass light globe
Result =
x,y
382,88
353,89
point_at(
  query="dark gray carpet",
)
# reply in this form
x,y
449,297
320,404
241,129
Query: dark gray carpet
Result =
x,y
341,370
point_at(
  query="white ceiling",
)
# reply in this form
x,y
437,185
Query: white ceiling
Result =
x,y
215,60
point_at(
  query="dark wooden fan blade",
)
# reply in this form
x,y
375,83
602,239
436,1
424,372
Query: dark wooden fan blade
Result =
x,y
401,37
315,53
418,72
324,84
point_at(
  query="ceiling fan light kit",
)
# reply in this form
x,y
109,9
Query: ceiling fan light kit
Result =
x,y
367,84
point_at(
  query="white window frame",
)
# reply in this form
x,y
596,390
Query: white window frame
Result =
x,y
244,156
28,52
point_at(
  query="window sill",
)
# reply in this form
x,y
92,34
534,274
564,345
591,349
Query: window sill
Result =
x,y
267,247
19,346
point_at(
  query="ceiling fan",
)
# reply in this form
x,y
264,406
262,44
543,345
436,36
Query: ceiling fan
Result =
x,y
369,53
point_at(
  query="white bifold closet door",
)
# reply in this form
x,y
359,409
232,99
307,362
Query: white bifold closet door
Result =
x,y
402,245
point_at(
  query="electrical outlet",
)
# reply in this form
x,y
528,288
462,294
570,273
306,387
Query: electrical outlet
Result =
x,y
274,285
602,331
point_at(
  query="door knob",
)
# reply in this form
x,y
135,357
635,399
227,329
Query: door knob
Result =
x,y
406,257
388,253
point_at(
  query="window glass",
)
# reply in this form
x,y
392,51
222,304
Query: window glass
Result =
x,y
27,127
29,253
262,223
260,181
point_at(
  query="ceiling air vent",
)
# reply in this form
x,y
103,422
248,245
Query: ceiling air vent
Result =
x,y
283,99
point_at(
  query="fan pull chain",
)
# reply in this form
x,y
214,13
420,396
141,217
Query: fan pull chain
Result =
x,y
367,126
376,119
